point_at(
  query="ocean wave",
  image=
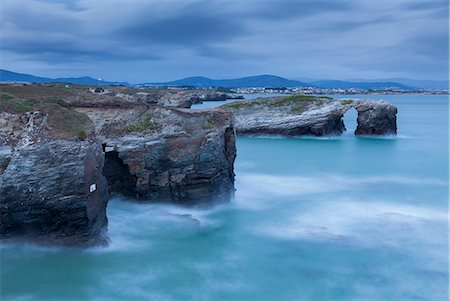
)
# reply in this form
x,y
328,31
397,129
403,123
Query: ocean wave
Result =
x,y
293,185
375,224
132,225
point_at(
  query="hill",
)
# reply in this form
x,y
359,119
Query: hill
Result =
x,y
10,76
244,82
337,84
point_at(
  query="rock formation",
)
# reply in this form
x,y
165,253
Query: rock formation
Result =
x,y
375,118
299,115
51,185
61,151
157,154
60,155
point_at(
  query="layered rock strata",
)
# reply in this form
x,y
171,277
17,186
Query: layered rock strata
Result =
x,y
157,154
51,183
299,115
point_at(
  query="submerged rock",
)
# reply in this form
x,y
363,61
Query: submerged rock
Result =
x,y
299,115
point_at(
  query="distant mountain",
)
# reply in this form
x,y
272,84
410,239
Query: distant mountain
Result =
x,y
259,81
337,84
422,84
9,76
262,81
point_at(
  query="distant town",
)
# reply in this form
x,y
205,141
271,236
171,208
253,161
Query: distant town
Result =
x,y
321,91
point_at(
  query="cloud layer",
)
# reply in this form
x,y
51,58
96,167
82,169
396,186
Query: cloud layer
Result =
x,y
153,40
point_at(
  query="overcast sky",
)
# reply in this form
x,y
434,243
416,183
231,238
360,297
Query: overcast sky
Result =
x,y
139,41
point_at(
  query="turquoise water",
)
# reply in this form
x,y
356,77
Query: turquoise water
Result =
x,y
342,218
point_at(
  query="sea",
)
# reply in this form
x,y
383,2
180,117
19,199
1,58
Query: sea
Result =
x,y
338,218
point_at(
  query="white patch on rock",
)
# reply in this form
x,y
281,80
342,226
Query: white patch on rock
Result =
x,y
93,188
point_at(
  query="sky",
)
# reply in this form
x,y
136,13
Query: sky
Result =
x,y
161,40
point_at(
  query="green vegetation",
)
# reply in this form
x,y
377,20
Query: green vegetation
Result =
x,y
301,97
239,104
299,108
145,125
6,96
298,102
43,92
63,122
347,101
14,105
82,135
209,123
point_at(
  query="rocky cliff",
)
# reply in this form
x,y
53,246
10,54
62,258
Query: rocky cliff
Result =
x,y
51,183
60,155
299,115
157,154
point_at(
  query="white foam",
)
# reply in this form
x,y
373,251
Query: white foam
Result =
x,y
374,224
255,185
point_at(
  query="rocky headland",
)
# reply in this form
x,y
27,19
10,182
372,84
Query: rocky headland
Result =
x,y
65,149
299,115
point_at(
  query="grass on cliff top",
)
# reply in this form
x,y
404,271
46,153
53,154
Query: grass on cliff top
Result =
x,y
64,123
143,126
209,123
67,95
346,101
298,102
41,91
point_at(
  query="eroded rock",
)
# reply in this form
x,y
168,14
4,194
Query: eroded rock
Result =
x,y
376,118
299,115
51,185
159,154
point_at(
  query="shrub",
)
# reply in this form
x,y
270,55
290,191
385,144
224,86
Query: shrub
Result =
x,y
82,135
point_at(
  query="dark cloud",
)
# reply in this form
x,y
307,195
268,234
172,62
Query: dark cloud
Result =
x,y
194,25
142,40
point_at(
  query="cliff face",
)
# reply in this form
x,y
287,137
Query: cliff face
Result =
x,y
289,116
62,149
51,185
299,115
376,118
158,154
